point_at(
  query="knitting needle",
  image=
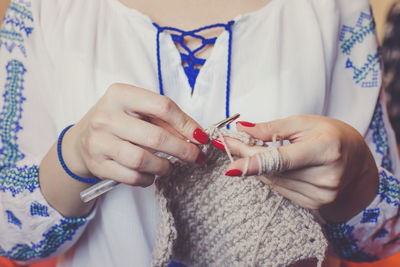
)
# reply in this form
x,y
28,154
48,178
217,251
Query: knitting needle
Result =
x,y
106,185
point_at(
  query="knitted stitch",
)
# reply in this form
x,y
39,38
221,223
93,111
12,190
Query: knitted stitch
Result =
x,y
209,219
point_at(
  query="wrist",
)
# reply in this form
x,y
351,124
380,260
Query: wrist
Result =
x,y
71,153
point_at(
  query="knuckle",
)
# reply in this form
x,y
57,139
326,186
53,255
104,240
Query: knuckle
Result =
x,y
165,105
114,89
333,151
157,139
332,181
99,121
190,153
298,118
328,197
138,160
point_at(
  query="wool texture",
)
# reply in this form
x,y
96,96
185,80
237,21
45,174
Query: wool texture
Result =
x,y
209,219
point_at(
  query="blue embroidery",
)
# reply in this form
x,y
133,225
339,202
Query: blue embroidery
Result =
x,y
389,189
345,244
369,69
39,209
370,216
380,138
365,74
53,239
175,264
11,218
17,26
12,178
381,233
364,27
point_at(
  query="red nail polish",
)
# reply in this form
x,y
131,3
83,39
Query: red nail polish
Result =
x,y
218,144
200,136
234,172
246,124
201,158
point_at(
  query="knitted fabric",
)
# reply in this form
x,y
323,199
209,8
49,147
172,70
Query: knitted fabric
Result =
x,y
209,219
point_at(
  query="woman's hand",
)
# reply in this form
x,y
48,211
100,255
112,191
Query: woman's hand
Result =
x,y
326,166
116,138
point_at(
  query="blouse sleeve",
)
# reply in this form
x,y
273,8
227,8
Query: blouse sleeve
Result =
x,y
30,228
374,233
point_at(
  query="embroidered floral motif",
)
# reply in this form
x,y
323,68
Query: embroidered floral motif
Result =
x,y
12,178
389,189
365,72
39,209
17,26
350,36
345,244
53,239
380,138
370,216
380,234
11,218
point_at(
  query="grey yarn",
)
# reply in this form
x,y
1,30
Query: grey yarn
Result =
x,y
209,219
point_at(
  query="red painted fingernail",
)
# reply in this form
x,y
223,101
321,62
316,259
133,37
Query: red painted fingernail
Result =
x,y
200,136
218,144
246,123
201,158
234,172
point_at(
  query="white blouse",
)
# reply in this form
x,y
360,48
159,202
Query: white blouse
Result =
x,y
57,58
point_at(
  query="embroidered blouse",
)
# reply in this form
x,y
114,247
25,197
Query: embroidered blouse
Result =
x,y
58,57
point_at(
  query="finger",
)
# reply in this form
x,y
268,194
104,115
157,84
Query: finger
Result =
x,y
110,169
240,149
288,128
143,101
166,126
137,158
151,136
292,157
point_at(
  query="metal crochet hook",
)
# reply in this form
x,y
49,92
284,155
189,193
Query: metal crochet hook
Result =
x,y
106,185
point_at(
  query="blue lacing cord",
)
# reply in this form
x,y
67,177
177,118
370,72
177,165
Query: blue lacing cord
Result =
x,y
191,59
228,72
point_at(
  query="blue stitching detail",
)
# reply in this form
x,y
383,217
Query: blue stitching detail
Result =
x,y
370,215
380,138
53,239
380,234
12,178
370,67
17,26
11,218
358,33
389,189
345,244
39,209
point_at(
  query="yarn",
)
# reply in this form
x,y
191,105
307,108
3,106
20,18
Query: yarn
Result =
x,y
209,219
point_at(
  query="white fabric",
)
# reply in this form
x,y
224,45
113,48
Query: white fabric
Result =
x,y
286,60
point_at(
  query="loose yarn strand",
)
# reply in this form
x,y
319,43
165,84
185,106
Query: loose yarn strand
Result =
x,y
264,229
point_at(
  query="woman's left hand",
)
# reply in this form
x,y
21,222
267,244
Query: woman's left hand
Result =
x,y
327,165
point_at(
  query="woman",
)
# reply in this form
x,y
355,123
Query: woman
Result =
x,y
133,86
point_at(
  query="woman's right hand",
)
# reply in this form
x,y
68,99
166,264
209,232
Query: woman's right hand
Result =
x,y
116,138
